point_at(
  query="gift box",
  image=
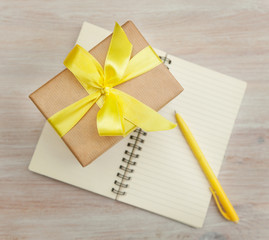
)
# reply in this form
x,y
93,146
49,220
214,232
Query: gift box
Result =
x,y
154,88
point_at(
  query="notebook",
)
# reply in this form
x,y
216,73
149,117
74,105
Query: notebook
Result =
x,y
156,171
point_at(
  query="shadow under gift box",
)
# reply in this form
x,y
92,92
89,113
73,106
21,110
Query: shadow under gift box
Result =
x,y
154,88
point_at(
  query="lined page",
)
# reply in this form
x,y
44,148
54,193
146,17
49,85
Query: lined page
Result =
x,y
52,157
167,178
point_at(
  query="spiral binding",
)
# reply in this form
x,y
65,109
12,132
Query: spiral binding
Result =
x,y
128,161
166,60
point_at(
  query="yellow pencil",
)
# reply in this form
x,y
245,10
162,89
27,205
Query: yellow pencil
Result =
x,y
219,195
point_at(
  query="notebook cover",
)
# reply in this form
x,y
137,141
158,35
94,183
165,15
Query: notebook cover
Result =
x,y
154,88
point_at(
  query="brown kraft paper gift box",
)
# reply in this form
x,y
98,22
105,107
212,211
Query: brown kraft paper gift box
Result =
x,y
155,88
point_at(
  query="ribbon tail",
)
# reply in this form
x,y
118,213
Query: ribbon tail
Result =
x,y
67,118
141,115
110,120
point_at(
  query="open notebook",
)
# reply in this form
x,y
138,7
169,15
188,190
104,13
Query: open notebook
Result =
x,y
156,171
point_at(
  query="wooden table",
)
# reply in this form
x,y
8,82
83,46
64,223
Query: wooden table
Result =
x,y
231,37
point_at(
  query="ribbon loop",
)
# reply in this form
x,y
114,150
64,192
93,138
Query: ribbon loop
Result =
x,y
119,112
120,48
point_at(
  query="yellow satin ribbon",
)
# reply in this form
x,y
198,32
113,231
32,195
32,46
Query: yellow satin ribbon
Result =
x,y
119,113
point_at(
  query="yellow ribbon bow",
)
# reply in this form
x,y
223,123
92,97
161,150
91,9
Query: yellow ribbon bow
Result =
x,y
119,113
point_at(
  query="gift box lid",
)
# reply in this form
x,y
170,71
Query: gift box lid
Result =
x,y
154,88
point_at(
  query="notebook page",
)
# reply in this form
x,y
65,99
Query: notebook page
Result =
x,y
87,39
167,178
52,157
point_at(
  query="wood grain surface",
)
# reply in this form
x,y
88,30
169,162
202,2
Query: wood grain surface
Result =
x,y
229,36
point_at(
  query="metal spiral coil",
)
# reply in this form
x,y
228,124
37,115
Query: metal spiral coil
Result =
x,y
120,184
166,60
117,192
129,162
